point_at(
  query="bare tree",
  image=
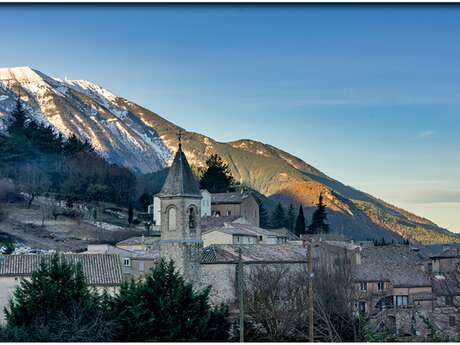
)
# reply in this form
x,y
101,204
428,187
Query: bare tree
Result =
x,y
33,181
276,302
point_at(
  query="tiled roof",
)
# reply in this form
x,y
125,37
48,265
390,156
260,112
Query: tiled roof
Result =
x,y
139,240
397,264
211,222
285,233
228,253
180,180
446,284
99,269
244,229
447,253
151,254
227,198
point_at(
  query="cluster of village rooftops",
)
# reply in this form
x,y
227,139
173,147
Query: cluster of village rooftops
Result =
x,y
208,234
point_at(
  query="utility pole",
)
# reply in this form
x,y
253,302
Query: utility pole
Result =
x,y
241,295
311,324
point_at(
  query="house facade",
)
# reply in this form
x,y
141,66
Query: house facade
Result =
x,y
237,204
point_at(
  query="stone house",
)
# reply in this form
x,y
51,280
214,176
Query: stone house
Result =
x,y
238,204
135,263
102,271
446,261
393,289
446,309
219,265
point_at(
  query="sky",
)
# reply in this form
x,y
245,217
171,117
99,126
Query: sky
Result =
x,y
369,95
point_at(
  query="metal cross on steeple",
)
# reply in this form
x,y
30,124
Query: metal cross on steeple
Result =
x,y
179,138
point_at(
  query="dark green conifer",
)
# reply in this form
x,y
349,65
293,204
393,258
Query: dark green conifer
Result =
x,y
278,219
319,220
217,177
299,229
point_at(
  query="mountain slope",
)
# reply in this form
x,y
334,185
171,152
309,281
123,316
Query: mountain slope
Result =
x,y
130,135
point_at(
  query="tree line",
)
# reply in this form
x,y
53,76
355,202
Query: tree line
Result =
x,y
296,223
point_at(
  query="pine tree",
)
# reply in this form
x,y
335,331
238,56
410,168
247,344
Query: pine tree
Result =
x,y
217,178
299,229
19,117
130,213
318,224
164,307
290,218
263,214
278,219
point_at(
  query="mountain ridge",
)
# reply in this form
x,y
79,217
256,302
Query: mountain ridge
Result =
x,y
130,135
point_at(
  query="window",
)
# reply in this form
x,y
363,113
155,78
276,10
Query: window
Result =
x,y
363,286
381,286
141,266
452,321
362,306
430,267
127,262
229,213
449,300
217,213
172,219
191,219
402,301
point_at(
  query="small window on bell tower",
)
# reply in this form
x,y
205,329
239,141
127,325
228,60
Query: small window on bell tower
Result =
x,y
192,219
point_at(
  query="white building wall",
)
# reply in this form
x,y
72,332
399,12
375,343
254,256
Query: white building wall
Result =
x,y
7,285
216,237
156,210
205,203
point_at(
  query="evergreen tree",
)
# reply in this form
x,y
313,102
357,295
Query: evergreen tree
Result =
x,y
217,177
290,218
164,307
300,223
130,213
318,224
263,214
19,117
56,304
278,219
144,201
73,145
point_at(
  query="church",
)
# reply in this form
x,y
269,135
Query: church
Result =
x,y
181,238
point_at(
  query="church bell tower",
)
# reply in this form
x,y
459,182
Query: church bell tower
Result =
x,y
180,201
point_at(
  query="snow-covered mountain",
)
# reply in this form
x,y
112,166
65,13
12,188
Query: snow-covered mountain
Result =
x,y
89,111
129,135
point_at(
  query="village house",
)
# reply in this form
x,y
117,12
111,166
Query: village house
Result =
x,y
240,233
102,271
238,204
393,288
135,263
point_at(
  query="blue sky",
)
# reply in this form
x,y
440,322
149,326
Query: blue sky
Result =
x,y
368,94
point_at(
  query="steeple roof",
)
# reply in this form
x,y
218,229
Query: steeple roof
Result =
x,y
180,180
